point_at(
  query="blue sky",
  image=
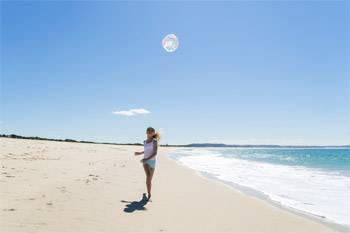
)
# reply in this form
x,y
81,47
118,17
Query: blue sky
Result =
x,y
245,72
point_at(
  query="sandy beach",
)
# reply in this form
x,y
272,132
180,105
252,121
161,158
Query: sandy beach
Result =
x,y
48,186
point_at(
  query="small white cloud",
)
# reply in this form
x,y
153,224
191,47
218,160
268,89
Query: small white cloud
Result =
x,y
132,112
139,111
123,113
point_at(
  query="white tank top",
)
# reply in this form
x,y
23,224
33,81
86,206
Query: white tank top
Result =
x,y
148,150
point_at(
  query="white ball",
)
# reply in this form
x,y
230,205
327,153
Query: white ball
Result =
x,y
170,43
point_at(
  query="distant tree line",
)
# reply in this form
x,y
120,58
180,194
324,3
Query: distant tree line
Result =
x,y
167,145
63,140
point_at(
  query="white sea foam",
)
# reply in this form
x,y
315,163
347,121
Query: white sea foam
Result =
x,y
314,191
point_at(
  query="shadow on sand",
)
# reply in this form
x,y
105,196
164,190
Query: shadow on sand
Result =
x,y
136,205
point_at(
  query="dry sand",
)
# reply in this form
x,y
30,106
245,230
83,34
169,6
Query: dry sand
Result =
x,y
74,187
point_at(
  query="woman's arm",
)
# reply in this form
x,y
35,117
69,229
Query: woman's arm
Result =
x,y
139,153
155,150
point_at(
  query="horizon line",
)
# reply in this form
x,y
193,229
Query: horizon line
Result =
x,y
203,144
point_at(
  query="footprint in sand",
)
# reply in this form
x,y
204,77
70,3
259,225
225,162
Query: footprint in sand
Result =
x,y
91,177
9,209
94,177
49,203
62,189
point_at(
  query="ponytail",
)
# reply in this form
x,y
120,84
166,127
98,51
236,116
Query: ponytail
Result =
x,y
156,134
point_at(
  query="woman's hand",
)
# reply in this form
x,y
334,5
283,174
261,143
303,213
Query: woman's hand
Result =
x,y
138,153
143,160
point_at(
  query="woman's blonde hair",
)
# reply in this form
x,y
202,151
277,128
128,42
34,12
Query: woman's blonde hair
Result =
x,y
156,133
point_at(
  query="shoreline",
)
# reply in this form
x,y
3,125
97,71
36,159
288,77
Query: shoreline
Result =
x,y
260,196
98,188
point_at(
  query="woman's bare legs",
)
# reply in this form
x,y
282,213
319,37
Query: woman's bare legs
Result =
x,y
149,175
149,184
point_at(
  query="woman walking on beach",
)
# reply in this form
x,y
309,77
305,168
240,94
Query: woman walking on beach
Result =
x,y
150,153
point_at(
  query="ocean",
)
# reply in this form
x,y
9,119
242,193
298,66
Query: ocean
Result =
x,y
312,180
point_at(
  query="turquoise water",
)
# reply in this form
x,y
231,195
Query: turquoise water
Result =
x,y
337,160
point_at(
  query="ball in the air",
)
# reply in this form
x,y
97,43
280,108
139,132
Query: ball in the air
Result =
x,y
170,43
